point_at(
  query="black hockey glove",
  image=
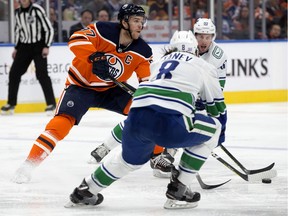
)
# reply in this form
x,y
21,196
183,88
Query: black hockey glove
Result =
x,y
199,104
100,65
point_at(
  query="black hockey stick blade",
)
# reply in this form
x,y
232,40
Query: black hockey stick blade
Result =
x,y
248,177
206,186
248,172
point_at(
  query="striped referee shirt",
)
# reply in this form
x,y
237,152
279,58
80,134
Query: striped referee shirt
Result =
x,y
32,26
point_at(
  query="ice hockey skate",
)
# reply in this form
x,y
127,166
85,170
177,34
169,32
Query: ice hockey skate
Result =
x,y
23,173
50,109
179,195
98,154
162,164
7,109
82,196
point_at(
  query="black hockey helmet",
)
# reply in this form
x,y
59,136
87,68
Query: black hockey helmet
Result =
x,y
128,10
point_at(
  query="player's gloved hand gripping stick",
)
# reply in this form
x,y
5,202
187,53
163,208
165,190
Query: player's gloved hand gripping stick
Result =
x,y
101,69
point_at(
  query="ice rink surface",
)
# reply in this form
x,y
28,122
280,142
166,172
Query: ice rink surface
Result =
x,y
256,135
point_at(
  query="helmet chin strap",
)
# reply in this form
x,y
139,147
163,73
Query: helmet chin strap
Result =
x,y
130,34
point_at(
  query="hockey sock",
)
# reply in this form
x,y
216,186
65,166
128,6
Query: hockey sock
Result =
x,y
158,150
111,170
191,161
127,108
116,136
55,130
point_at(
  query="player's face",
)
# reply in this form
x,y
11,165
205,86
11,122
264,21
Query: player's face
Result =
x,y
136,24
204,42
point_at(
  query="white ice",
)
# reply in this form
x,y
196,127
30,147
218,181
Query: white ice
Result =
x,y
256,135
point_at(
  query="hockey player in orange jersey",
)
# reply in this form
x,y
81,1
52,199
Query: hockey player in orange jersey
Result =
x,y
101,50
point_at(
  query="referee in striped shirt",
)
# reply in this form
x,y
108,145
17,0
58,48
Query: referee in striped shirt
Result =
x,y
33,37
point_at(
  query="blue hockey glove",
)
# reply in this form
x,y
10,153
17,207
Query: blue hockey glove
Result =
x,y
199,104
100,65
222,135
223,119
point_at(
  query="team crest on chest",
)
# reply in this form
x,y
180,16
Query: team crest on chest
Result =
x,y
116,68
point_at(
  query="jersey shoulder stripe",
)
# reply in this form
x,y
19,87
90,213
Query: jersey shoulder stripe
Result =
x,y
110,31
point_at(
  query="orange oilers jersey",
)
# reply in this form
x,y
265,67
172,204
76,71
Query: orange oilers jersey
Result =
x,y
104,37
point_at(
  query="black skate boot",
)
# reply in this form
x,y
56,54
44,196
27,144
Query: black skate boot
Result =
x,y
177,191
49,110
7,109
162,164
81,195
98,154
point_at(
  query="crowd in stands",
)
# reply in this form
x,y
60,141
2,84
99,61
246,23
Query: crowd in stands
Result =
x,y
235,14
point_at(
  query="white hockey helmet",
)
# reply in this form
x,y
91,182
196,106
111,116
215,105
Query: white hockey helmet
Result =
x,y
205,26
184,41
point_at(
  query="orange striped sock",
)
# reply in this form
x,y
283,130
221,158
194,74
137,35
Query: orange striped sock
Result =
x,y
42,147
56,130
158,150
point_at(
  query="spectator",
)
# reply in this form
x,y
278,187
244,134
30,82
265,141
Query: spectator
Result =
x,y
283,19
86,18
28,47
274,32
258,21
201,10
273,7
103,15
232,8
69,11
96,5
158,10
113,7
241,24
3,11
53,20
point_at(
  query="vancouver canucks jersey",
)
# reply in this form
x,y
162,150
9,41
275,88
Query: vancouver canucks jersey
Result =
x,y
216,56
175,82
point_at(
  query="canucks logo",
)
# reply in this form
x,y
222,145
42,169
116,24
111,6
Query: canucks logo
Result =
x,y
116,68
217,52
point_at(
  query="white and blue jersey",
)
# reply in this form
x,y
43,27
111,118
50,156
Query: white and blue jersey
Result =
x,y
217,57
176,81
163,108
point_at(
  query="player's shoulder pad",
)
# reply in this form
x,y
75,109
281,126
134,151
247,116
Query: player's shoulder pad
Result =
x,y
217,52
141,47
109,30
218,55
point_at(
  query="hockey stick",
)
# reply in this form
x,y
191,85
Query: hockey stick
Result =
x,y
250,175
242,167
125,86
270,173
206,186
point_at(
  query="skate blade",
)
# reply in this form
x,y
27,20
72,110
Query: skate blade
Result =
x,y
70,204
50,113
159,174
21,178
92,160
7,113
175,204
